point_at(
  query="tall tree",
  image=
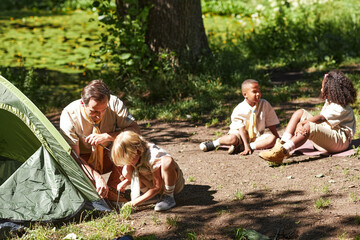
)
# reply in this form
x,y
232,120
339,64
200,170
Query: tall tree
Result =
x,y
174,26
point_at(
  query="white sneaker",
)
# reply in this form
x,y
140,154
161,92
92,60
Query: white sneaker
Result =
x,y
207,146
165,203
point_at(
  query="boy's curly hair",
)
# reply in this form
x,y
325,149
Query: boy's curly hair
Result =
x,y
338,88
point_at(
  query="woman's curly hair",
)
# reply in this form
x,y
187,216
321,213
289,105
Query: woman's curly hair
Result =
x,y
338,88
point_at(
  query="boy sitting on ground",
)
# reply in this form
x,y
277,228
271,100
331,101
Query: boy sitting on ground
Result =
x,y
248,122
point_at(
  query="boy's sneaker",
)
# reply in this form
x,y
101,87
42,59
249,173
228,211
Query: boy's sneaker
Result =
x,y
165,203
207,146
236,149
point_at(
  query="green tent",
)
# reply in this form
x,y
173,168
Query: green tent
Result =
x,y
39,180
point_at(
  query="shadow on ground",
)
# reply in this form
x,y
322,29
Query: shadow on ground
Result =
x,y
278,216
163,135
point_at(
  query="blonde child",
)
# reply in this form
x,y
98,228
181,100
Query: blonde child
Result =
x,y
248,122
151,166
332,130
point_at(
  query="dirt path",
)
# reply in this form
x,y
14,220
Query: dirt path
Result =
x,y
278,201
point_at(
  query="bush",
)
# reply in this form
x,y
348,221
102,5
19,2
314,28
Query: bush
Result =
x,y
30,4
38,87
301,36
43,4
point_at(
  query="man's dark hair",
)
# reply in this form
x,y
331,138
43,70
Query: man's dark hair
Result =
x,y
338,88
97,90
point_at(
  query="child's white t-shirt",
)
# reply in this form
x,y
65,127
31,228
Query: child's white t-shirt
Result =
x,y
151,161
338,117
265,116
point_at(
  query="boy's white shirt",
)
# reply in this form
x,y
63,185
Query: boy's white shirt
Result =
x,y
338,117
265,116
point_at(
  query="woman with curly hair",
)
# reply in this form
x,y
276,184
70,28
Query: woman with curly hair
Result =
x,y
332,130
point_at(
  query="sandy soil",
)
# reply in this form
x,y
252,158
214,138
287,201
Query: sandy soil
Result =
x,y
278,202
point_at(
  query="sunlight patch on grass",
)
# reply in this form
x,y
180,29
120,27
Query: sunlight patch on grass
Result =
x,y
61,42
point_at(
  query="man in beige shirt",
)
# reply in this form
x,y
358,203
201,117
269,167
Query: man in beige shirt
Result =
x,y
90,125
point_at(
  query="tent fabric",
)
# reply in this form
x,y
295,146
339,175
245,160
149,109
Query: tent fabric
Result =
x,y
7,168
57,146
18,141
39,180
38,190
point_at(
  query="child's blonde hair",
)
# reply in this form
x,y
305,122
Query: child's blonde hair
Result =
x,y
127,145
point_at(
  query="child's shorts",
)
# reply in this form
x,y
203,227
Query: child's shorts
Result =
x,y
237,134
326,139
179,185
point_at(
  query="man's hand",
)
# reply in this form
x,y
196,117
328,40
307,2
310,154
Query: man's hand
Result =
x,y
101,187
96,139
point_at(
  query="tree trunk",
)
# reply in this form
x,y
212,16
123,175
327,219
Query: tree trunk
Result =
x,y
173,26
177,26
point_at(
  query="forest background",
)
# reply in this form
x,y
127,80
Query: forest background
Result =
x,y
51,49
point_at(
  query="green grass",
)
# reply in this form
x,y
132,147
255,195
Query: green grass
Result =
x,y
156,219
357,220
239,234
222,211
322,203
191,179
58,45
61,42
239,195
191,236
325,189
353,197
172,221
288,36
248,40
343,236
107,227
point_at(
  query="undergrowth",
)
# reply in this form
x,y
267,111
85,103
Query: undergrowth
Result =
x,y
261,40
